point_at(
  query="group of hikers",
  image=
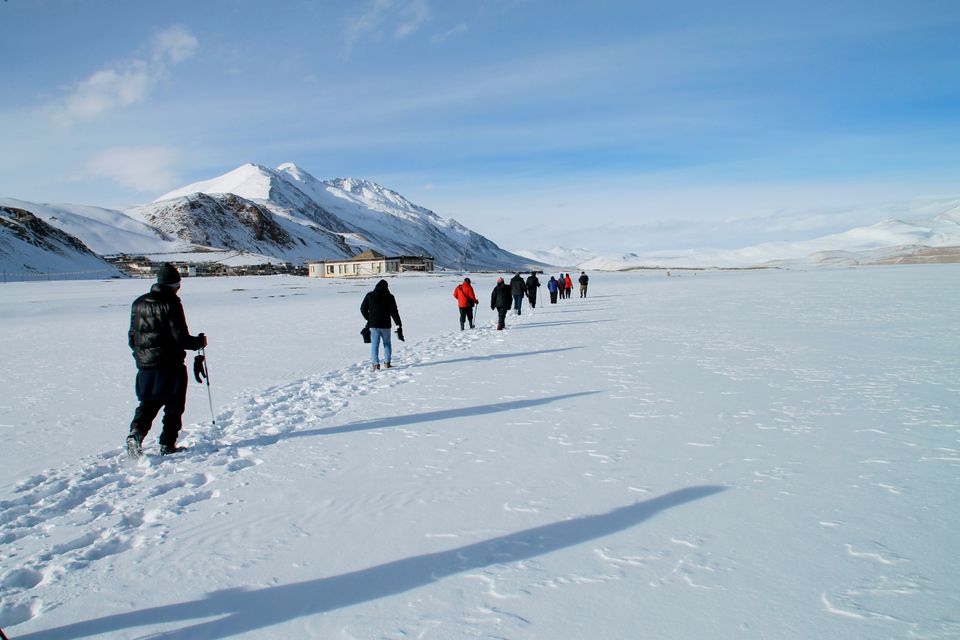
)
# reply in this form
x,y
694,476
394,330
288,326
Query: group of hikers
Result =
x,y
510,296
159,339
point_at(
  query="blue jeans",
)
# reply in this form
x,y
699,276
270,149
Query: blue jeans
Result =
x,y
376,335
517,301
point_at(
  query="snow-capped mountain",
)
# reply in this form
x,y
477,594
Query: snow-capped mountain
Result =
x,y
267,214
932,239
28,245
558,256
338,218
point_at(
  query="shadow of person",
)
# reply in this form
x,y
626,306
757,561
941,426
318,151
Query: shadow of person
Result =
x,y
240,610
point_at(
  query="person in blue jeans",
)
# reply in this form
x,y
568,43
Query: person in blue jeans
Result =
x,y
378,308
518,288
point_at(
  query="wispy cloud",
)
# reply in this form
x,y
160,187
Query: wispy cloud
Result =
x,y
449,33
385,18
128,81
139,168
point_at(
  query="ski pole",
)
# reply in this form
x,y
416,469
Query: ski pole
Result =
x,y
206,376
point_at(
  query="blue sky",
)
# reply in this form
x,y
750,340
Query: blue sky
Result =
x,y
614,125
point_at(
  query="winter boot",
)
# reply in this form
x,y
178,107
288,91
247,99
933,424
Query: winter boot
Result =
x,y
376,367
166,449
388,365
133,445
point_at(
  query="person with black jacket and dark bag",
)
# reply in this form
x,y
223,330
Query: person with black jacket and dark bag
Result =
x,y
533,283
500,300
377,308
518,289
584,281
159,339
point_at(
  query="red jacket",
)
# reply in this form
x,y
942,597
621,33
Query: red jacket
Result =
x,y
569,283
465,295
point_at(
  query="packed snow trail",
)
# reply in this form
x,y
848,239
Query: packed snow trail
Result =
x,y
126,502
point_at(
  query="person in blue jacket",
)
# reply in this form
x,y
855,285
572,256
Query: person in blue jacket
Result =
x,y
553,287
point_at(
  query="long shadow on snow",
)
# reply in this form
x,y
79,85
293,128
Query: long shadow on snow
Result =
x,y
244,610
498,356
534,325
413,418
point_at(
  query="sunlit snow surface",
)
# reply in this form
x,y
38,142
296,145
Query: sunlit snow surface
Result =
x,y
724,455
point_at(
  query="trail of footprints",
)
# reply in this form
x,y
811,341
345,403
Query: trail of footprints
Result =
x,y
63,520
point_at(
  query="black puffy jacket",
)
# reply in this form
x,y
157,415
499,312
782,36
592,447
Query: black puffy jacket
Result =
x,y
379,306
158,331
501,298
517,286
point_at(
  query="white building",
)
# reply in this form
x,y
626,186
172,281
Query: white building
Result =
x,y
368,263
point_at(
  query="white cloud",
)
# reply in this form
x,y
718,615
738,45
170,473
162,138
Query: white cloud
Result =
x,y
174,45
449,33
140,168
400,18
128,81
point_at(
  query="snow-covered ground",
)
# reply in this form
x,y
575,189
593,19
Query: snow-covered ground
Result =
x,y
728,455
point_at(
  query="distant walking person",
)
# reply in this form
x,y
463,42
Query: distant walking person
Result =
x,y
466,300
568,285
159,338
532,285
552,287
377,308
518,289
500,300
583,280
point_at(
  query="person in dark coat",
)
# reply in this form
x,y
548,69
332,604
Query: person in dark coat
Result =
x,y
553,287
500,300
466,299
158,337
532,285
583,280
378,308
517,288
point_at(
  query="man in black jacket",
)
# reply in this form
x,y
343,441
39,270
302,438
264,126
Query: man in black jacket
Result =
x,y
584,281
500,300
533,283
158,336
377,308
518,289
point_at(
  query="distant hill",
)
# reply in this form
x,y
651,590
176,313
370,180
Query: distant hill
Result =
x,y
31,248
931,239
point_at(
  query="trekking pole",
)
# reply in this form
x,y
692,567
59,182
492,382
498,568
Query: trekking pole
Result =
x,y
206,376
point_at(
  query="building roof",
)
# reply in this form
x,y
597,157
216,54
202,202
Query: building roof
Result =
x,y
367,256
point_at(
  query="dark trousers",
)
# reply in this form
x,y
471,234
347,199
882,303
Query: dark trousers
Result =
x,y
532,299
502,317
466,314
161,389
553,297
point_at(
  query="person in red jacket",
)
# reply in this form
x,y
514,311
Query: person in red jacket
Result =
x,y
466,299
568,285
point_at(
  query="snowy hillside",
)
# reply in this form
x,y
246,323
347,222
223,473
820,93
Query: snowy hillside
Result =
x,y
228,221
29,247
734,456
558,256
365,215
934,239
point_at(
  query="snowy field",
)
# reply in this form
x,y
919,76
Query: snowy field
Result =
x,y
728,455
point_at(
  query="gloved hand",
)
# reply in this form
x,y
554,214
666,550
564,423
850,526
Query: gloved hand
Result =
x,y
203,340
400,333
199,369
